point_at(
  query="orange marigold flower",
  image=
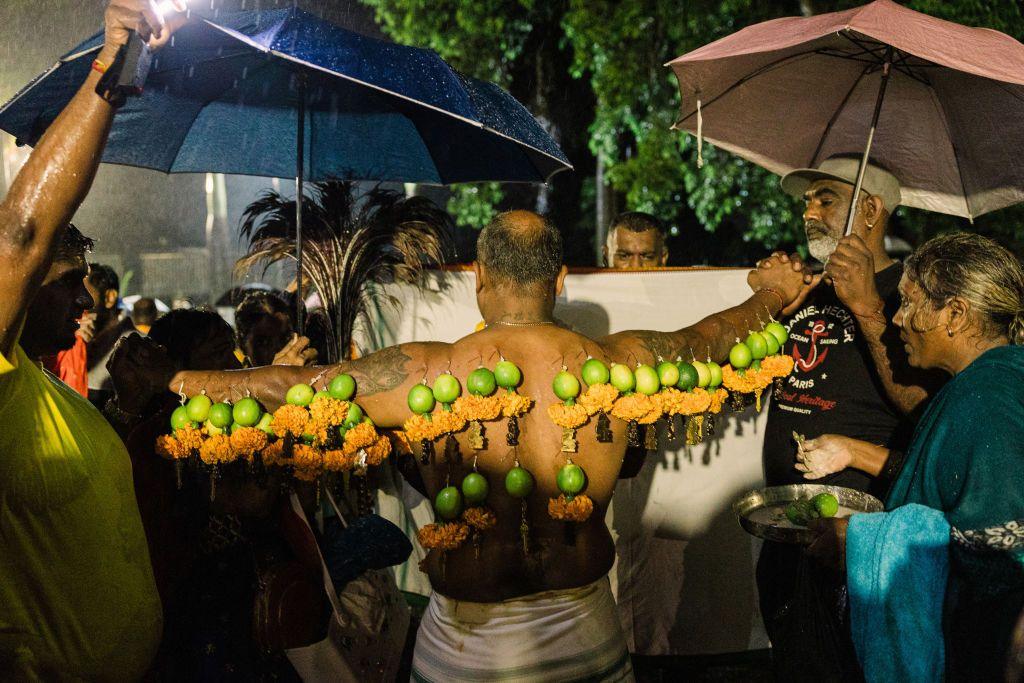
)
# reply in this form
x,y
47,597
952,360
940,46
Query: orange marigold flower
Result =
x,y
568,417
448,422
289,419
718,400
325,412
598,398
633,407
479,518
577,509
360,436
247,440
306,473
747,383
514,404
777,365
216,450
379,451
273,454
420,427
479,408
307,457
169,447
675,402
190,438
336,460
443,536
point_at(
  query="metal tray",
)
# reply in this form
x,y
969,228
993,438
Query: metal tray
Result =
x,y
761,512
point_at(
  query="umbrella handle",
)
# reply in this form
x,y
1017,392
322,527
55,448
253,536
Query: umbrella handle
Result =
x,y
857,186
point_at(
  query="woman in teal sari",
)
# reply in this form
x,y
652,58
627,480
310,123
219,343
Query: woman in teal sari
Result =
x,y
962,310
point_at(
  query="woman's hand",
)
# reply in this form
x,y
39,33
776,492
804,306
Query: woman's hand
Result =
x,y
829,547
827,454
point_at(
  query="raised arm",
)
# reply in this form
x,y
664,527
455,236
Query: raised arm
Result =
x,y
774,289
59,172
383,380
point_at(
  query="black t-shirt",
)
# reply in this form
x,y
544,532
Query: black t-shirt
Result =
x,y
834,388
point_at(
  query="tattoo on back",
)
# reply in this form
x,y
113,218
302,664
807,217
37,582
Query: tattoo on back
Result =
x,y
659,344
381,371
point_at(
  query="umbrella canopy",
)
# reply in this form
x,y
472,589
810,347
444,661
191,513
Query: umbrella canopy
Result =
x,y
791,92
229,97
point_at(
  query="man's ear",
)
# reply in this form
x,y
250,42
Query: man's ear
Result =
x,y
873,208
560,280
664,257
110,298
480,277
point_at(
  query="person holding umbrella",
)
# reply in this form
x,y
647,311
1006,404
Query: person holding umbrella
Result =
x,y
851,379
77,596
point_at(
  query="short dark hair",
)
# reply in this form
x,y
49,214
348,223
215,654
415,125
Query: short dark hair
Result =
x,y
103,277
255,306
144,312
521,247
73,244
183,329
638,221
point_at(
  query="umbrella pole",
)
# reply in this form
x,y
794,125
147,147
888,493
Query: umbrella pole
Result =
x,y
300,165
852,212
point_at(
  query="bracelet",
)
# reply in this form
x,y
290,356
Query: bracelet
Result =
x,y
782,300
99,66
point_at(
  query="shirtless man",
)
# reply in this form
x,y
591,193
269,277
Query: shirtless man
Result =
x,y
506,613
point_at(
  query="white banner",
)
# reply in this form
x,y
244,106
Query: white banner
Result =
x,y
684,576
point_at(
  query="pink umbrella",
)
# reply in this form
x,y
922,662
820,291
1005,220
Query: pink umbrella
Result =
x,y
947,101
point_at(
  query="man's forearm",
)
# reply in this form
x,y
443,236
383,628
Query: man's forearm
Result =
x,y
906,397
268,385
868,457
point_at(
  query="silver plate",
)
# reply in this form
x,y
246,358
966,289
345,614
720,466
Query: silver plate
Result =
x,y
773,526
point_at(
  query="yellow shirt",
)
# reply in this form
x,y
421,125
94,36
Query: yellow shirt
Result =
x,y
77,596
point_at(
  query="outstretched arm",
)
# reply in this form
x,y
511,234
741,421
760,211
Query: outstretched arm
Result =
x,y
58,174
774,289
383,380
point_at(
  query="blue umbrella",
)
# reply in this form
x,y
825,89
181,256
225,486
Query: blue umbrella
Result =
x,y
280,93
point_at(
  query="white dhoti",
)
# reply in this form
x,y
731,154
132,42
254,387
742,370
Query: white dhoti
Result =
x,y
565,635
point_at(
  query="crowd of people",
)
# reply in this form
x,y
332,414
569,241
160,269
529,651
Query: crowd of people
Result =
x,y
907,385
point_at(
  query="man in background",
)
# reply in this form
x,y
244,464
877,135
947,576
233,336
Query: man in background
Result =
x,y
108,324
144,314
636,241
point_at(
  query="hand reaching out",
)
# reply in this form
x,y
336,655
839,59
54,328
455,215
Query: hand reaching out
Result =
x,y
296,352
787,274
827,454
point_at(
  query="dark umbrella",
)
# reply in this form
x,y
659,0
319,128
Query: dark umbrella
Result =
x,y
937,103
272,93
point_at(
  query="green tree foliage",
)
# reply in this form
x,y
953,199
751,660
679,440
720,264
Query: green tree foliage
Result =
x,y
617,50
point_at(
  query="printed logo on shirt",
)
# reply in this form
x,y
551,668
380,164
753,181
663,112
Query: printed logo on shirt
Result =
x,y
815,332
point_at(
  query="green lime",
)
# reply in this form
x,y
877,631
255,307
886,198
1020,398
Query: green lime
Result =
x,y
421,400
446,388
518,482
507,374
367,420
794,515
646,380
703,373
300,395
198,408
757,344
826,504
777,330
355,415
220,415
622,378
180,418
342,431
320,395
594,372
716,374
448,503
246,412
233,428
571,479
264,423
668,374
481,382
688,377
740,356
566,386
773,343
475,488
342,387
212,429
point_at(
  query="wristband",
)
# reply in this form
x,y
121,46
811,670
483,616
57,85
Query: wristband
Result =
x,y
782,300
99,66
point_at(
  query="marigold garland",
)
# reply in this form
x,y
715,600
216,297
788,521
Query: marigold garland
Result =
x,y
654,412
568,417
216,450
447,536
448,422
289,419
598,398
718,399
274,455
478,408
420,428
514,404
675,402
362,435
747,383
633,407
777,365
169,447
379,451
247,441
325,411
575,509
479,518
337,460
190,438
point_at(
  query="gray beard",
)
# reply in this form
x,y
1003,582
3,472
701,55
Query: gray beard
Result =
x,y
821,248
